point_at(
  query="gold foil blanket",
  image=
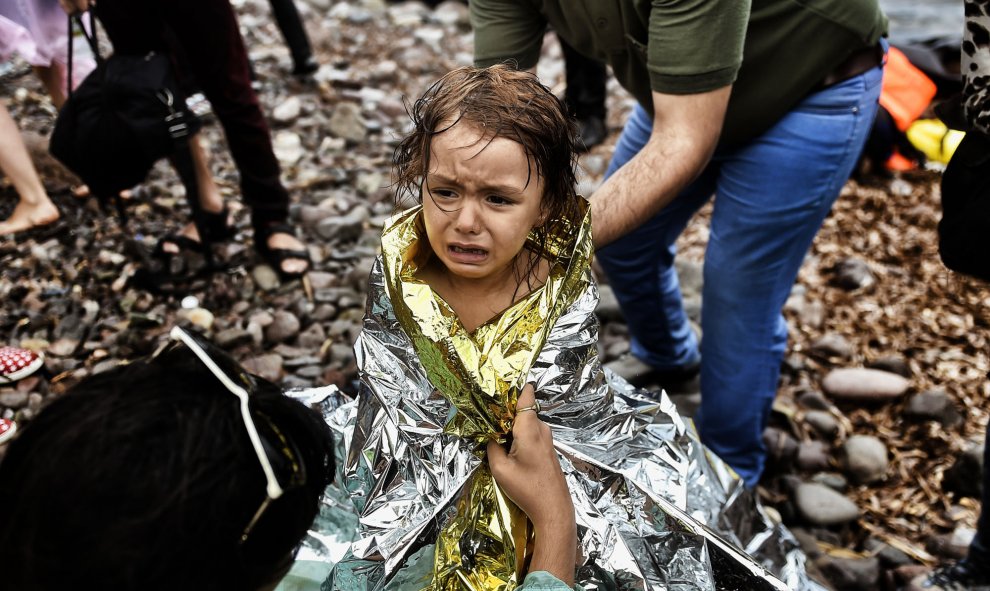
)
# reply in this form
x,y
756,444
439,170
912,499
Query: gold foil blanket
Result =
x,y
655,510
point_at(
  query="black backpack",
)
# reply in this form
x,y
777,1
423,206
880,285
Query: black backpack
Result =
x,y
125,116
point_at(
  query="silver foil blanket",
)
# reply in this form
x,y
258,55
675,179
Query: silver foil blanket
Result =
x,y
655,509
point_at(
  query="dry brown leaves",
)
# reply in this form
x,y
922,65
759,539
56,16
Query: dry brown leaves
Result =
x,y
935,319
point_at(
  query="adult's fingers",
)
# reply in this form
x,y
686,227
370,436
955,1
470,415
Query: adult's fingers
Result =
x,y
496,453
526,398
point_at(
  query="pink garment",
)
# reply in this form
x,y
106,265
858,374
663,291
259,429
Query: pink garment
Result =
x,y
37,30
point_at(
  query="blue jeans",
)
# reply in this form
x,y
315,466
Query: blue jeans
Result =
x,y
771,197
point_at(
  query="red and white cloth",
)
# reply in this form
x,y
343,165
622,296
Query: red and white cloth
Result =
x,y
7,429
17,363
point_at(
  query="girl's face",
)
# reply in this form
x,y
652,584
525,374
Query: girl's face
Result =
x,y
481,199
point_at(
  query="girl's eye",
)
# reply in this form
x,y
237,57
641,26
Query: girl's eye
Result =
x,y
499,200
442,193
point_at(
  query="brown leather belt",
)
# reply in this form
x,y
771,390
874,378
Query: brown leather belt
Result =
x,y
860,61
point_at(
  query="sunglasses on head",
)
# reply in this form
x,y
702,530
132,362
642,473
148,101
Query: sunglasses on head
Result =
x,y
275,453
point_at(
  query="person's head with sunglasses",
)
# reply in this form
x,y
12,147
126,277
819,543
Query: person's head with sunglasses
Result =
x,y
178,472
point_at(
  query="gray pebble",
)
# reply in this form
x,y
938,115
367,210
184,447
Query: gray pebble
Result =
x,y
265,277
691,277
262,318
288,110
833,480
821,505
231,338
889,556
832,345
893,364
268,366
822,422
345,228
341,355
64,347
813,314
284,327
813,400
13,399
310,215
954,545
313,337
851,574
865,458
309,372
322,280
933,405
323,312
965,476
346,122
853,274
812,456
782,448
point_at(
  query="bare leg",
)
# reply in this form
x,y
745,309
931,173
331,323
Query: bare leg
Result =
x,y
209,194
51,78
34,207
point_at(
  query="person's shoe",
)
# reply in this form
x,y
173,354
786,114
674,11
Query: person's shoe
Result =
x,y
591,132
961,576
7,429
305,67
682,380
17,364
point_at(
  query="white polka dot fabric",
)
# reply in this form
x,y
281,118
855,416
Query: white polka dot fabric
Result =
x,y
7,429
16,363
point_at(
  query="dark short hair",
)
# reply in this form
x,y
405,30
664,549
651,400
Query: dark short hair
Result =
x,y
503,103
143,477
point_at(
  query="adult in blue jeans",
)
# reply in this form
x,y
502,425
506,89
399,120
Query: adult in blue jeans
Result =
x,y
764,106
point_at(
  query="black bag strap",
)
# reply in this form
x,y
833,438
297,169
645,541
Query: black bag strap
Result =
x,y
91,40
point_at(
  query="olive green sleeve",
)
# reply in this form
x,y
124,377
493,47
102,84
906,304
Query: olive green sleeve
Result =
x,y
696,45
506,30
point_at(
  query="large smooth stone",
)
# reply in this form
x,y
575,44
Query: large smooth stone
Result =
x,y
864,385
820,505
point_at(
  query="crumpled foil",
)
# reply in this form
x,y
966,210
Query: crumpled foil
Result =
x,y
655,509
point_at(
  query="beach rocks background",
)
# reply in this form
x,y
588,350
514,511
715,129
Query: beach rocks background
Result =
x,y
876,438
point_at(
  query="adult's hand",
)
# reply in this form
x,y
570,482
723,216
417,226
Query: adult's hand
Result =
x,y
530,475
685,132
75,6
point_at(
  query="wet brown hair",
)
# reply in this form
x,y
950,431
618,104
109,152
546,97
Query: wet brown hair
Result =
x,y
504,103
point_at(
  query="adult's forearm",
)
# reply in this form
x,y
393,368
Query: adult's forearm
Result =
x,y
641,188
555,549
685,133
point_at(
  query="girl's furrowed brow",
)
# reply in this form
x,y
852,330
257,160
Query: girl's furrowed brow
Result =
x,y
435,178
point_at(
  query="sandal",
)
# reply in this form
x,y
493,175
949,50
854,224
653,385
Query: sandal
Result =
x,y
276,256
212,227
166,272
